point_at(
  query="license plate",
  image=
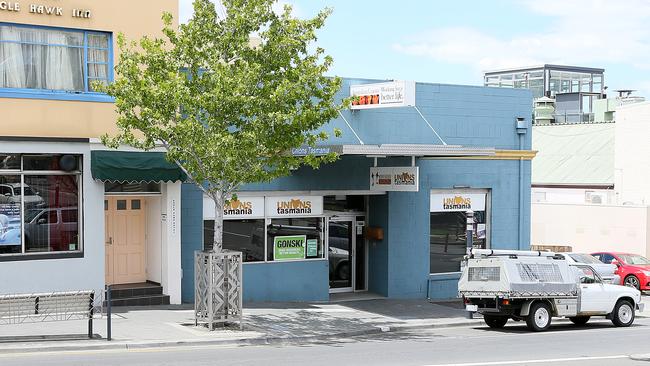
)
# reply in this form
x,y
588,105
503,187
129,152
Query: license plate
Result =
x,y
473,308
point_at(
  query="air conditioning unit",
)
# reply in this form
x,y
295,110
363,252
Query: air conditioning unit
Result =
x,y
597,198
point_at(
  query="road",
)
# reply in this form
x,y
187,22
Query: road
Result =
x,y
599,343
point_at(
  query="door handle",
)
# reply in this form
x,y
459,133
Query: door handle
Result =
x,y
110,240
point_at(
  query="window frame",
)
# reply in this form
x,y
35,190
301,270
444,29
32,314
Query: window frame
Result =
x,y
22,173
84,96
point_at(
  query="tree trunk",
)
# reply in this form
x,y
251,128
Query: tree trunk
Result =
x,y
217,244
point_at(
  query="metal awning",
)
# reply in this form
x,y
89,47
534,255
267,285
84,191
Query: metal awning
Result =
x,y
420,150
121,166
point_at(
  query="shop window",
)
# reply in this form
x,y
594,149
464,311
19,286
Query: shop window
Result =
x,y
246,236
447,239
306,233
53,59
43,204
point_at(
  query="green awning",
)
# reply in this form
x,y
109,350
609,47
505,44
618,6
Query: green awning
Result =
x,y
120,166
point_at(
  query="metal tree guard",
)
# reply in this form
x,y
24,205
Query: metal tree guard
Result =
x,y
218,288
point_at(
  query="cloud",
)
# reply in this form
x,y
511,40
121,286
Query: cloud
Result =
x,y
581,32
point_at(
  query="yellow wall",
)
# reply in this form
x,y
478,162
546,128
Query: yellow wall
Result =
x,y
51,118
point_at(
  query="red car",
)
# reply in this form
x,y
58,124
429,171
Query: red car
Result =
x,y
633,269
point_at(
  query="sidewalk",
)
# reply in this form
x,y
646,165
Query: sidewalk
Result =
x,y
264,323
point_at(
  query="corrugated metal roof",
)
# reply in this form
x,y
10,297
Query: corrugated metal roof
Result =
x,y
416,150
574,154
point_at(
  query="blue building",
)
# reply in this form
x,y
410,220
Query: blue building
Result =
x,y
389,216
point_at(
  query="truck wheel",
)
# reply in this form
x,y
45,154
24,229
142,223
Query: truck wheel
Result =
x,y
495,321
623,315
632,281
539,318
579,320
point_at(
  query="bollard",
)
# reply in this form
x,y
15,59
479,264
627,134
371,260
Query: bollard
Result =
x,y
108,313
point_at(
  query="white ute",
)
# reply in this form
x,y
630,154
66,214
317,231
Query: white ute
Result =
x,y
536,286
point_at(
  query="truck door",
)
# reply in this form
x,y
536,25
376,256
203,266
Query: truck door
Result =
x,y
593,297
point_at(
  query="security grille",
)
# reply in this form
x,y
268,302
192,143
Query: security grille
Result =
x,y
484,273
539,272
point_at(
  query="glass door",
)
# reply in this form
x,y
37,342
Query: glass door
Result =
x,y
342,239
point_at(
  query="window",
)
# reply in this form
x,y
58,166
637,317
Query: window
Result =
x,y
246,236
448,239
605,258
39,209
51,59
309,227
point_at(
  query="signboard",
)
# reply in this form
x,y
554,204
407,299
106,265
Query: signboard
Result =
x,y
242,208
294,206
397,179
312,248
383,95
308,150
453,202
289,247
44,9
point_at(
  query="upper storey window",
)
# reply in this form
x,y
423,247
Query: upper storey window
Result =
x,y
50,60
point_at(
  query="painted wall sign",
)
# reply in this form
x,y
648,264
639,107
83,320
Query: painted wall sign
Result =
x,y
242,208
288,206
453,202
289,247
398,179
383,95
308,150
40,9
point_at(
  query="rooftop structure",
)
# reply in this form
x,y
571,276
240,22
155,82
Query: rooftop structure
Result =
x,y
573,89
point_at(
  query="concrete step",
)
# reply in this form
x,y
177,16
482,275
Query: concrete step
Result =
x,y
146,300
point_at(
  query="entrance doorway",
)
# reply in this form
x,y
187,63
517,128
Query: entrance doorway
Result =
x,y
346,254
125,244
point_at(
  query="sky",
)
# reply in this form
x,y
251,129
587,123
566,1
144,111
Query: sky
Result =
x,y
455,41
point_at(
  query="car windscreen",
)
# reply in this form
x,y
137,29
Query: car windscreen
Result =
x,y
31,214
28,191
585,258
634,259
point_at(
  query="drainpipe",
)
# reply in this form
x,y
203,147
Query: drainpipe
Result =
x,y
522,129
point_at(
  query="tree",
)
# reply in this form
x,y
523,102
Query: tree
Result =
x,y
227,111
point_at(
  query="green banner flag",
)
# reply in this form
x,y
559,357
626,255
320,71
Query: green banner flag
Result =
x,y
289,247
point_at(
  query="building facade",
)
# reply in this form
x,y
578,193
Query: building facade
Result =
x,y
73,215
357,232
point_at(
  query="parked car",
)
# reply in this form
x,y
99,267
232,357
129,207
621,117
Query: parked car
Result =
x,y
633,269
10,194
536,286
52,229
606,271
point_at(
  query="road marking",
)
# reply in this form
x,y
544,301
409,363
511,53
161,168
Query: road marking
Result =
x,y
569,359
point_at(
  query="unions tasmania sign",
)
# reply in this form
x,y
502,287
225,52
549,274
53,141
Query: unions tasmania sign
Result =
x,y
453,202
395,179
291,206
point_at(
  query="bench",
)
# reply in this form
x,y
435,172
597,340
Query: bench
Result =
x,y
48,307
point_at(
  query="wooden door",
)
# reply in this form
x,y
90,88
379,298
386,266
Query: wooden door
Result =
x,y
125,240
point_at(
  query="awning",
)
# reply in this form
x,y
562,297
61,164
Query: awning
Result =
x,y
120,166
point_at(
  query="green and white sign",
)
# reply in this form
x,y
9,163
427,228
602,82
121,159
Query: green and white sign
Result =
x,y
289,247
312,248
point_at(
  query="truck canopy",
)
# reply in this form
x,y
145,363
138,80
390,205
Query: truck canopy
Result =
x,y
512,275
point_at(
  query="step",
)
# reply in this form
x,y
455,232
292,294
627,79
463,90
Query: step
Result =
x,y
147,300
126,291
